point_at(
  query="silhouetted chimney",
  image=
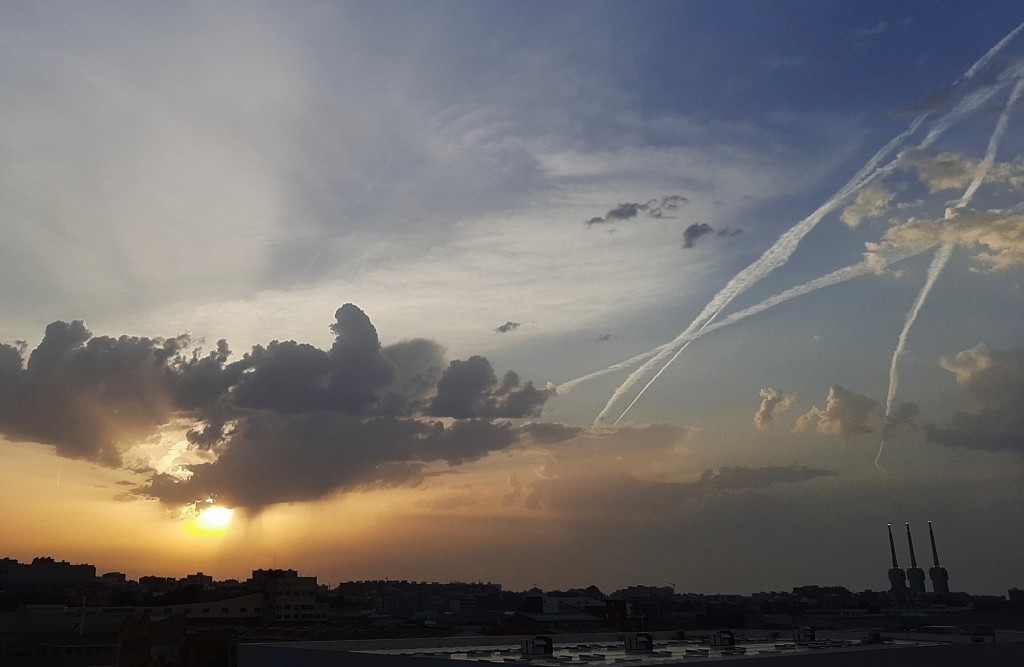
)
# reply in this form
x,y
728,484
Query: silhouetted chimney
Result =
x,y
897,577
914,574
937,573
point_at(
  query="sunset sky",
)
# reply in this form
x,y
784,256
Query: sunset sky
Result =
x,y
356,270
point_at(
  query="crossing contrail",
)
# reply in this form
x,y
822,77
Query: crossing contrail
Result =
x,y
934,270
780,252
984,60
867,174
834,278
942,257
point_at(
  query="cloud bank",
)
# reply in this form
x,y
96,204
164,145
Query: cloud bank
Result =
x,y
992,381
287,421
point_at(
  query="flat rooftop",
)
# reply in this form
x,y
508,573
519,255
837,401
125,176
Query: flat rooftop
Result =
x,y
833,648
612,652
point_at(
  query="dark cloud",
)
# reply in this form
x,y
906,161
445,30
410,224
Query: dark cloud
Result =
x,y
209,433
284,376
669,203
993,383
462,388
635,499
283,458
655,208
287,376
902,415
286,421
547,433
418,364
694,232
201,380
87,396
59,341
989,429
625,211
358,367
701,229
508,326
470,389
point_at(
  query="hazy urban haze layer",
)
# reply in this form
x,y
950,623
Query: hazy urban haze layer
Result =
x,y
694,293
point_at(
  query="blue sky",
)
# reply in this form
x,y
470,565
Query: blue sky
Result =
x,y
557,187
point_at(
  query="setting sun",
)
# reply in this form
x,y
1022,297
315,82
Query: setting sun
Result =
x,y
212,520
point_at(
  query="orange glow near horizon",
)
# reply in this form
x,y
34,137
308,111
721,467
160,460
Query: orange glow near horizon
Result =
x,y
91,515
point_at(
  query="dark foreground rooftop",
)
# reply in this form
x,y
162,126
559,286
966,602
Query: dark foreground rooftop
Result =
x,y
847,650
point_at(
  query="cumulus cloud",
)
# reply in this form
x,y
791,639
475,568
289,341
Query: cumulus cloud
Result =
x,y
694,232
947,171
286,421
358,366
845,413
89,397
992,381
772,401
655,208
995,238
469,389
871,202
700,229
508,326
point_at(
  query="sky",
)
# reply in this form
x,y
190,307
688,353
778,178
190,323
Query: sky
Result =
x,y
696,293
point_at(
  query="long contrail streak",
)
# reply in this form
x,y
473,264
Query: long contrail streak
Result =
x,y
834,278
354,207
941,258
867,174
777,255
984,60
934,270
780,252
